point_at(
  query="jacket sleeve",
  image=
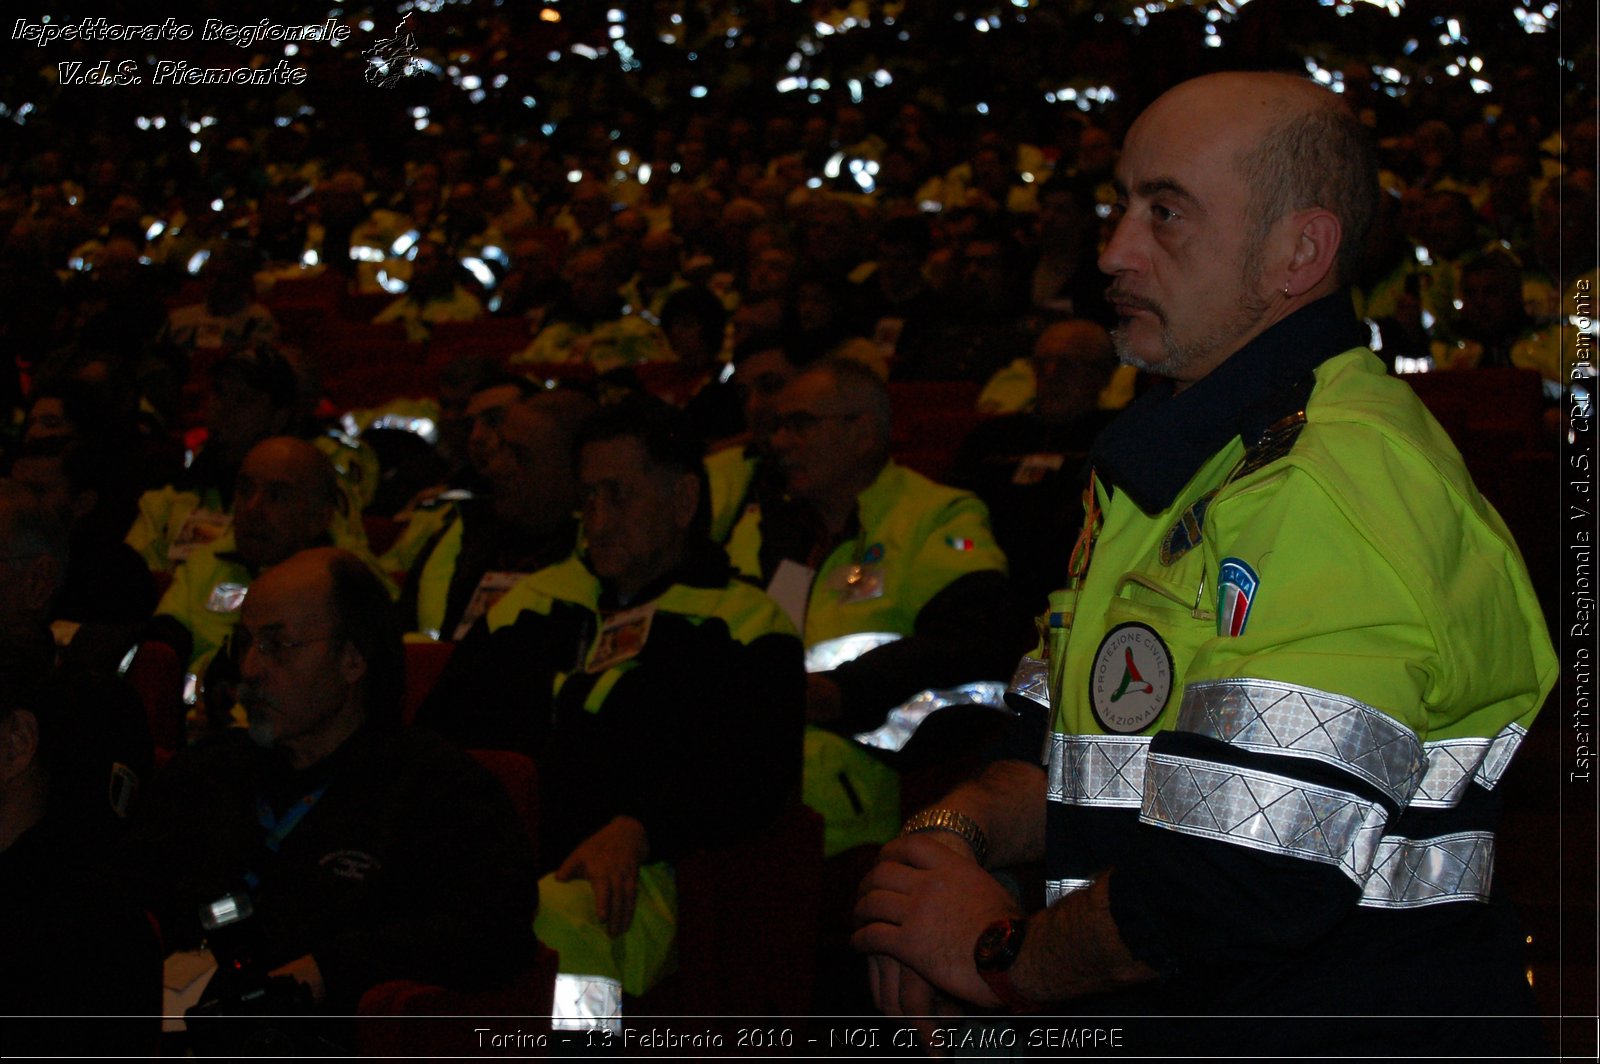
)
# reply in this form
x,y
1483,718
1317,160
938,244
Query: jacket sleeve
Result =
x,y
724,760
970,630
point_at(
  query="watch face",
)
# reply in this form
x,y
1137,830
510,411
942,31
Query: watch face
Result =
x,y
995,949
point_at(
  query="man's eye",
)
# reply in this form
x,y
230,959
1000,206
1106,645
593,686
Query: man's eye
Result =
x,y
1163,214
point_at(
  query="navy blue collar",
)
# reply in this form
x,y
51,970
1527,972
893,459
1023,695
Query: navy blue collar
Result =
x,y
1161,441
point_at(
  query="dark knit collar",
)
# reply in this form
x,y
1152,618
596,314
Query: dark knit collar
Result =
x,y
1161,441
705,565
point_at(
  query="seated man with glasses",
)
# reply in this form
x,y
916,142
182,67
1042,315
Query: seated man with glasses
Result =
x,y
853,544
285,500
331,847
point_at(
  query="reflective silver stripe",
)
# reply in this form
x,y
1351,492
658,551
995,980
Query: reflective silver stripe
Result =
x,y
1453,763
904,719
1410,873
1264,812
831,653
1098,770
1056,889
1032,681
1282,718
587,1003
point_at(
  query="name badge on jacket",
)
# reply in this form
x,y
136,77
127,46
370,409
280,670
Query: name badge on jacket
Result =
x,y
622,636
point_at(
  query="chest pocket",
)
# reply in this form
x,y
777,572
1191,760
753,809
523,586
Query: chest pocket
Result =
x,y
1176,605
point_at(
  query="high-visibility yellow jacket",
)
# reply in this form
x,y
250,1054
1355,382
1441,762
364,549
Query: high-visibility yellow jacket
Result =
x,y
1284,693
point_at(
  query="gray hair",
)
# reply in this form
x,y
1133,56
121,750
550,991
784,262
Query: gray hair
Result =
x,y
1315,156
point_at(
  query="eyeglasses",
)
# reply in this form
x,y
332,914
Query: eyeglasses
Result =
x,y
801,422
271,646
493,417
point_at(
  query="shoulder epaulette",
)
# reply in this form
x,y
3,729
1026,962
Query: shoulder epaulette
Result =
x,y
1275,442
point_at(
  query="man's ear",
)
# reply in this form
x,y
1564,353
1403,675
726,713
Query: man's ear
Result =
x,y
1317,236
352,665
84,502
40,581
685,499
19,743
327,513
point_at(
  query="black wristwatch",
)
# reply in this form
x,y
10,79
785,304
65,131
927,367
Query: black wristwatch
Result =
x,y
996,951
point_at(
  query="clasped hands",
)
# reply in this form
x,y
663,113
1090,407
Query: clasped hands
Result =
x,y
921,910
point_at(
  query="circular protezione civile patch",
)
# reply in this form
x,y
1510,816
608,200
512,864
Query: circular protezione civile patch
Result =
x,y
1131,678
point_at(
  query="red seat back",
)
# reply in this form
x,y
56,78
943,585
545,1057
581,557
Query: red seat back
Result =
x,y
424,664
157,675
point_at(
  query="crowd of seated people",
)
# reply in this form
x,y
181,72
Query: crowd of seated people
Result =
x,y
342,360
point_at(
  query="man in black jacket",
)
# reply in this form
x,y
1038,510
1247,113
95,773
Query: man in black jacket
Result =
x,y
660,694
366,852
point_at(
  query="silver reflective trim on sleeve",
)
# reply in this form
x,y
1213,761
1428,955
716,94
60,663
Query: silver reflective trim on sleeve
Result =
x,y
587,1003
831,653
1264,812
1031,681
1056,889
904,719
1282,718
1453,763
1098,770
1410,873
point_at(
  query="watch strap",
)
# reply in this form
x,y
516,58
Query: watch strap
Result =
x,y
996,951
956,823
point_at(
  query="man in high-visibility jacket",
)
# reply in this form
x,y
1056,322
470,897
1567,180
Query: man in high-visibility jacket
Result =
x,y
253,397
1298,651
660,695
286,495
856,545
461,556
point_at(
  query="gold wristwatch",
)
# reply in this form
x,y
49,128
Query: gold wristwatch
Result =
x,y
956,823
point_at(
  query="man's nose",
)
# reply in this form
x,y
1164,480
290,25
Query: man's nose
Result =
x,y
246,502
481,438
1122,253
250,662
596,518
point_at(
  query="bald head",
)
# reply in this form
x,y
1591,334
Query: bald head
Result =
x,y
1242,199
1072,362
323,653
284,500
1296,146
531,469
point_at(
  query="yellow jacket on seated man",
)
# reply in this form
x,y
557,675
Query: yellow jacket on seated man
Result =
x,y
285,497
659,693
851,543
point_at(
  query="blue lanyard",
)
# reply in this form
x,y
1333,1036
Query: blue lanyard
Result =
x,y
277,828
